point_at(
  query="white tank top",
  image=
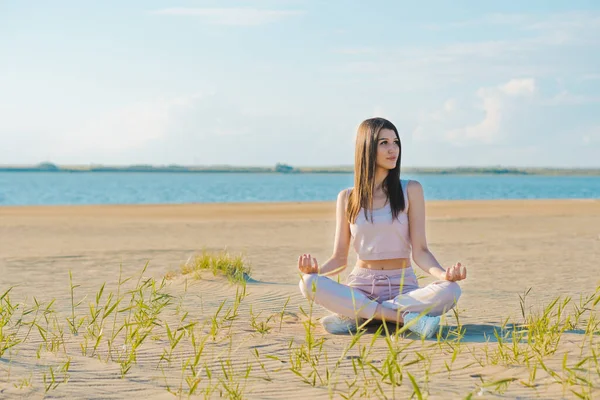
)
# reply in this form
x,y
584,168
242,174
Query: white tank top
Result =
x,y
384,238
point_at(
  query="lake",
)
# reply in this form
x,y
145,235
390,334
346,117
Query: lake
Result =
x,y
53,188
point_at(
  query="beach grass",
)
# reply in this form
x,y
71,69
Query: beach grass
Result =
x,y
233,267
214,353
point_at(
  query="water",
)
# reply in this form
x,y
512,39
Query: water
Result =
x,y
47,188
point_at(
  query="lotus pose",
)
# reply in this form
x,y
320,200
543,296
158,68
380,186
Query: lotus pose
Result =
x,y
385,217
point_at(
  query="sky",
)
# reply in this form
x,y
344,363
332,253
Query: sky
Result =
x,y
256,82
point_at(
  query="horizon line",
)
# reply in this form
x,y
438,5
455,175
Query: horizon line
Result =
x,y
345,166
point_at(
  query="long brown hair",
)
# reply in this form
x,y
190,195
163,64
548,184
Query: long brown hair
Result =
x,y
365,158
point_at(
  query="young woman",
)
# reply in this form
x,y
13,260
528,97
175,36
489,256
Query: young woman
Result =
x,y
385,216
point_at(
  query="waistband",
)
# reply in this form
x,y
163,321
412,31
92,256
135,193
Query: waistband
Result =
x,y
408,271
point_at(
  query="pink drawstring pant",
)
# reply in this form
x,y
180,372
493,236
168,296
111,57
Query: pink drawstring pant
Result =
x,y
365,288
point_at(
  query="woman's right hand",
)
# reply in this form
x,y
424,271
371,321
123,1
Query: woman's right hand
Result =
x,y
456,273
308,264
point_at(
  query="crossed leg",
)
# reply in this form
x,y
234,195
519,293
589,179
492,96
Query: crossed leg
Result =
x,y
435,298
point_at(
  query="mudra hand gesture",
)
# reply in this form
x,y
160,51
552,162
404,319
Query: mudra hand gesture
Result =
x,y
308,264
456,273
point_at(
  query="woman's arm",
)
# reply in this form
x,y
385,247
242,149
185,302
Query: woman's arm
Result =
x,y
341,244
421,253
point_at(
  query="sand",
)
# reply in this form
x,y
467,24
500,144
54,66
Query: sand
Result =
x,y
551,246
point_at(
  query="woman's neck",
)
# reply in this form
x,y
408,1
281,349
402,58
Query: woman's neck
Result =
x,y
380,175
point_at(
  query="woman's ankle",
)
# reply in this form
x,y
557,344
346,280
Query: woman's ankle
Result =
x,y
387,314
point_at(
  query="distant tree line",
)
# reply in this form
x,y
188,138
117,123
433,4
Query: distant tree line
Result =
x,y
286,168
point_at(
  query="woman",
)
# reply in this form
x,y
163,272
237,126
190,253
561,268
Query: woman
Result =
x,y
385,216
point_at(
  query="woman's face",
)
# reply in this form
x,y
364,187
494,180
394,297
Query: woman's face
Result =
x,y
388,149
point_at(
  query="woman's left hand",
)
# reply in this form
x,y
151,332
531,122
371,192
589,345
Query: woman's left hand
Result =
x,y
456,273
308,264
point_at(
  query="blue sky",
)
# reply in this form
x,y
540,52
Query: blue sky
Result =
x,y
255,82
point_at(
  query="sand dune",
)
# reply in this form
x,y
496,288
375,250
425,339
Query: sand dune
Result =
x,y
550,246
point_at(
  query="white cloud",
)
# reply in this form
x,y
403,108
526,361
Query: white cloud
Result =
x,y
232,16
495,103
379,111
538,46
207,128
451,122
575,21
356,50
490,19
488,128
449,105
567,98
592,137
128,127
569,21
516,87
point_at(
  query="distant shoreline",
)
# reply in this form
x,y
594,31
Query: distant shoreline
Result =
x,y
286,169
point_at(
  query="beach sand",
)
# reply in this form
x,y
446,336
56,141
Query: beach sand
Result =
x,y
550,246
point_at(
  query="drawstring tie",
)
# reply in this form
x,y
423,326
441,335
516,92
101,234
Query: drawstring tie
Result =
x,y
382,278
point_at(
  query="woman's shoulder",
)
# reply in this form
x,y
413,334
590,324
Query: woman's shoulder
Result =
x,y
413,186
407,183
410,182
344,194
404,181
